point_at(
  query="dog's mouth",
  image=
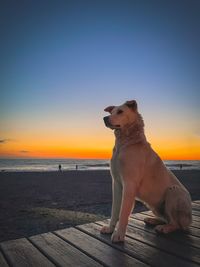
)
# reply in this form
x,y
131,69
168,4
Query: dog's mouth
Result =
x,y
116,126
113,127
109,125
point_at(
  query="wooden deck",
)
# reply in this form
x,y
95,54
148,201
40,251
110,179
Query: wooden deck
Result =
x,y
85,246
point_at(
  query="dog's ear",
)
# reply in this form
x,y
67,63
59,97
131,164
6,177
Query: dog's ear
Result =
x,y
132,104
109,109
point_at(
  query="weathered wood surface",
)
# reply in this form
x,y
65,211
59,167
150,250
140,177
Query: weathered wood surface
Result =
x,y
21,252
102,252
3,262
61,252
85,246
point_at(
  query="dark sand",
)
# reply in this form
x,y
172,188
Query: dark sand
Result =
x,y
35,202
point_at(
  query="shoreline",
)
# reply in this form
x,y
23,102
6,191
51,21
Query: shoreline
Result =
x,y
38,202
184,168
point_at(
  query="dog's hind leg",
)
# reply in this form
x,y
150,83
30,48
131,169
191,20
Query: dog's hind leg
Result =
x,y
178,210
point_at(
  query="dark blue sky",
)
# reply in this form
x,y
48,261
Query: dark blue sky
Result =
x,y
61,47
64,56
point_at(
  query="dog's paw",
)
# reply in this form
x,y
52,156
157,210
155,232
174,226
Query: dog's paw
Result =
x,y
166,228
106,229
153,221
117,237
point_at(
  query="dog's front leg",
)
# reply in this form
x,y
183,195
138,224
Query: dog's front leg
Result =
x,y
128,201
116,205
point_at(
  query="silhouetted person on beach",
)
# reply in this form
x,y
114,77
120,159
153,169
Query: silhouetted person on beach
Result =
x,y
76,167
60,167
181,166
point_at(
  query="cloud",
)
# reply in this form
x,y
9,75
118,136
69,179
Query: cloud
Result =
x,y
24,151
6,140
3,141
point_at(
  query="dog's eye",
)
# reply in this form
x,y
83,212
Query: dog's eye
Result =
x,y
119,112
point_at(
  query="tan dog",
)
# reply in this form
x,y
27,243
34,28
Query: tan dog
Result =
x,y
139,173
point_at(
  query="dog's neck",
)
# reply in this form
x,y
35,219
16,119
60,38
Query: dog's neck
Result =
x,y
131,134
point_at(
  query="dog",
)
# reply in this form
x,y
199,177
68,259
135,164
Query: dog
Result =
x,y
138,173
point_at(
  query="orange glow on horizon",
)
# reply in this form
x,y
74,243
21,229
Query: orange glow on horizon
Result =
x,y
165,154
59,153
98,145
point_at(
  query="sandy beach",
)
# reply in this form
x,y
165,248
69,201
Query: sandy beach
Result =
x,y
37,202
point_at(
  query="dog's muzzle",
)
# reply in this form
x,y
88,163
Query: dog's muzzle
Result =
x,y
107,122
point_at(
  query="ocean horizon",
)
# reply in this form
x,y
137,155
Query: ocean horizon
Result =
x,y
41,165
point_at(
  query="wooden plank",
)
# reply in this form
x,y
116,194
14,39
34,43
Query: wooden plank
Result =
x,y
166,244
196,206
104,253
196,213
3,262
138,249
192,230
60,252
196,218
22,253
178,236
161,243
196,201
143,215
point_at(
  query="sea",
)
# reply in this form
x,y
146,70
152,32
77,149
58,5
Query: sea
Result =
x,y
43,165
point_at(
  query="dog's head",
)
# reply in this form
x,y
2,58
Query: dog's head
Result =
x,y
121,116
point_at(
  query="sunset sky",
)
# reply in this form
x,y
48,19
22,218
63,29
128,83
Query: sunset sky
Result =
x,y
63,62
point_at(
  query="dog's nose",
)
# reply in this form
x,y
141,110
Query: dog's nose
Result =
x,y
106,120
